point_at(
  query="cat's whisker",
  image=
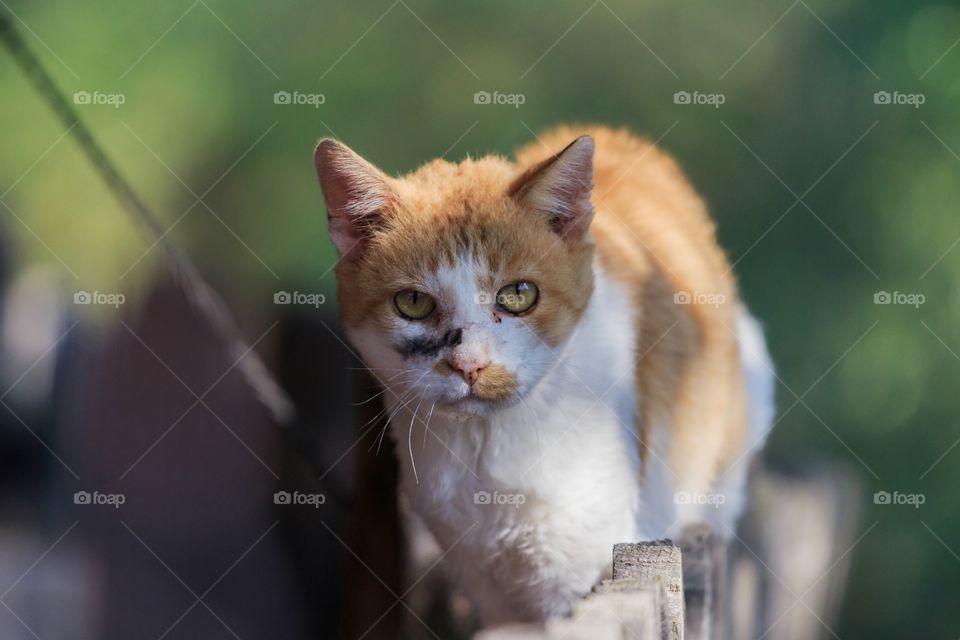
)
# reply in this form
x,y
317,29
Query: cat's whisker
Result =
x,y
402,371
373,397
386,424
410,438
375,369
385,388
381,414
426,428
403,402
410,392
372,421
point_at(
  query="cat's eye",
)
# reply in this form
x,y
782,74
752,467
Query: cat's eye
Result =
x,y
518,297
413,304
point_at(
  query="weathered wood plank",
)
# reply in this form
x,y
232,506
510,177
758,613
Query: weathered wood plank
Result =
x,y
612,615
643,601
655,563
793,541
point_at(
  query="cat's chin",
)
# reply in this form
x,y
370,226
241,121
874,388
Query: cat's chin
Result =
x,y
470,406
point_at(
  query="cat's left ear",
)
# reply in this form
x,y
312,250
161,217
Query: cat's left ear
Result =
x,y
358,195
559,188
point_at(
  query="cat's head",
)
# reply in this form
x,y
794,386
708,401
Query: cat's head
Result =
x,y
460,283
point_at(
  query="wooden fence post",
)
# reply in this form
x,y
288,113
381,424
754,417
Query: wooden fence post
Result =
x,y
704,583
655,563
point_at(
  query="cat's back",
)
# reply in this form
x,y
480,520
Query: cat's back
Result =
x,y
655,238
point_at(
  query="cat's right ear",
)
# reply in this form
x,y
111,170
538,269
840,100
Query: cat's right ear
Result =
x,y
559,188
357,195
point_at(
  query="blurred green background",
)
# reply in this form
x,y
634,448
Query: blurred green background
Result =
x,y
879,185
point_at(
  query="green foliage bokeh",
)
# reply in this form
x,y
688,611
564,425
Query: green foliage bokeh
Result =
x,y
878,185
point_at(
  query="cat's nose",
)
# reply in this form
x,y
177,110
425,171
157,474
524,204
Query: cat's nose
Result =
x,y
468,368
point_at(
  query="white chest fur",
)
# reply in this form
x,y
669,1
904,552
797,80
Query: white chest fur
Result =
x,y
528,502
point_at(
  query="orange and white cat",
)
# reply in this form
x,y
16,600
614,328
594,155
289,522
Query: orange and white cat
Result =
x,y
566,362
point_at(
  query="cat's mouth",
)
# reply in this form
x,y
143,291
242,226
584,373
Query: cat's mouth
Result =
x,y
470,405
478,404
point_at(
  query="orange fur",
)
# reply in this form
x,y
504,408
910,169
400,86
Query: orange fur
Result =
x,y
654,234
495,383
443,209
651,232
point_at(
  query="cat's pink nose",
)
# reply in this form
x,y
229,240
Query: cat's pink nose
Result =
x,y
469,369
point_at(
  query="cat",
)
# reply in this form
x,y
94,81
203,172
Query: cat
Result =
x,y
564,356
